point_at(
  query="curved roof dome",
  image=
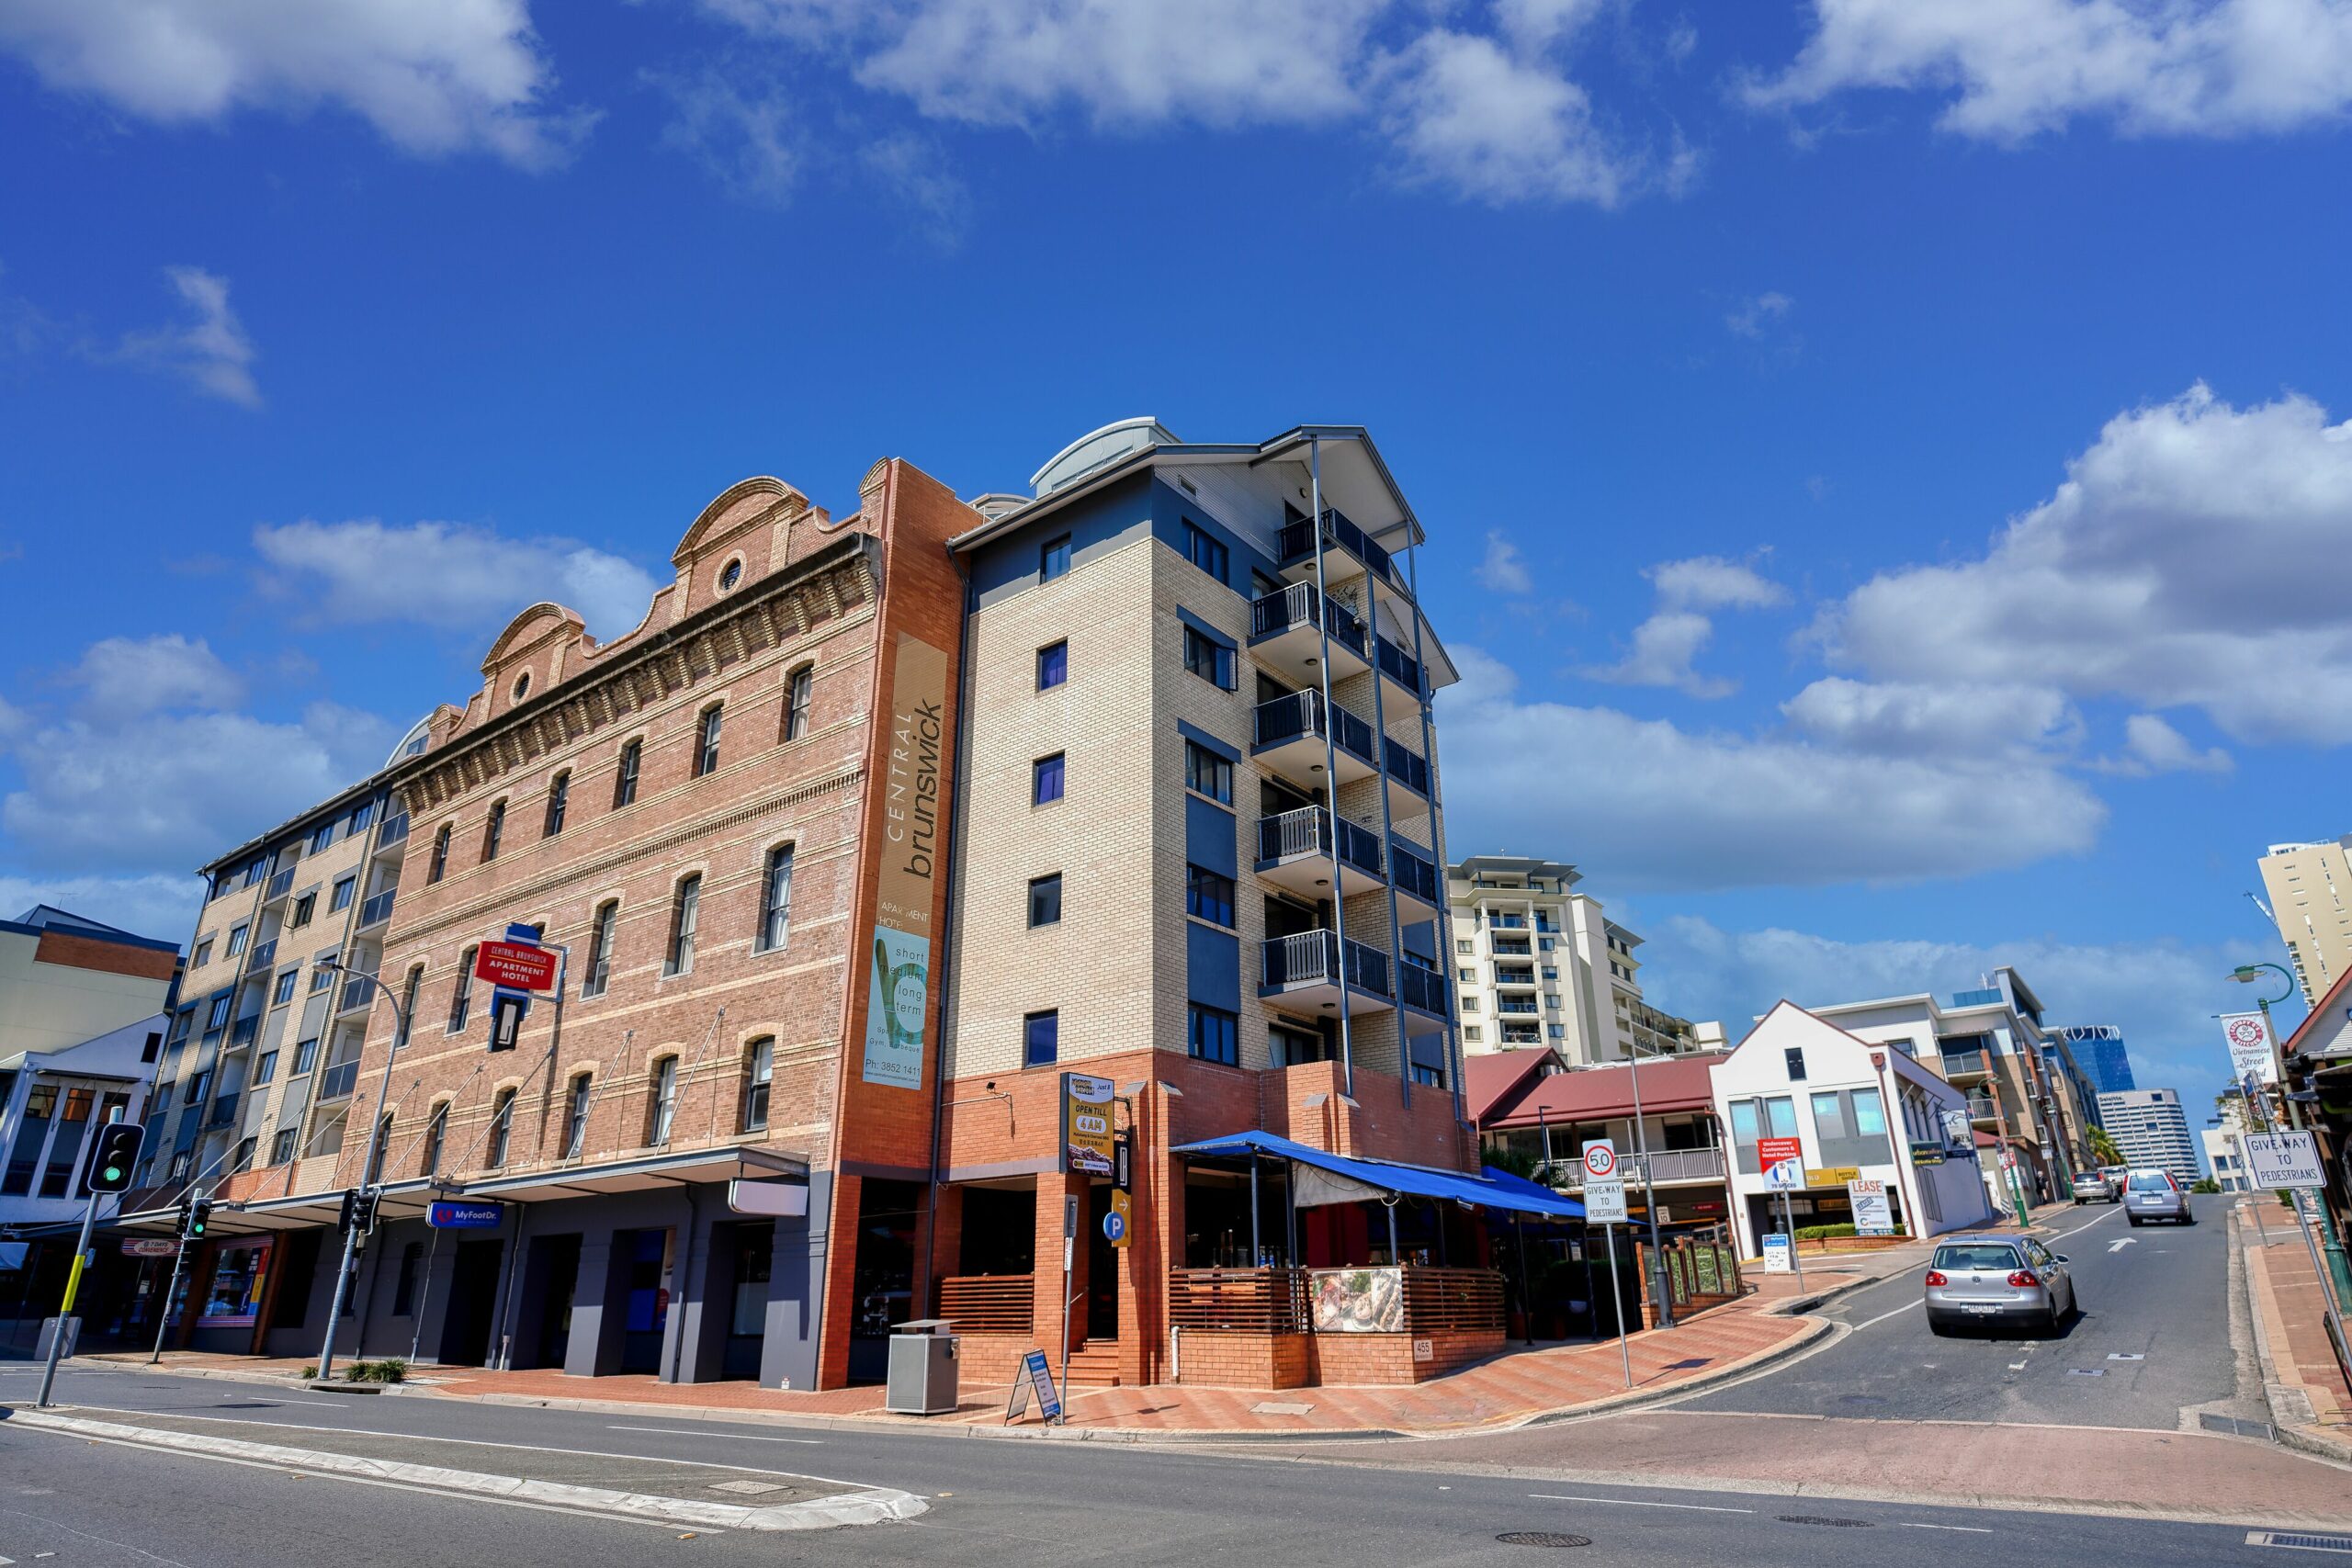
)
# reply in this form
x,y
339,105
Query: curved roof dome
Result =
x,y
1097,447
419,737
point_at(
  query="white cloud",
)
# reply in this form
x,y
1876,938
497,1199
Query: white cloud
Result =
x,y
1502,570
446,575
432,77
2019,67
2160,994
1910,719
1756,317
1665,649
1648,804
909,169
1712,582
1499,126
742,138
2193,557
158,905
210,349
2152,746
122,678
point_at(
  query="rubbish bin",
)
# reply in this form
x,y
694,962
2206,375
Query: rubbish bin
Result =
x,y
922,1369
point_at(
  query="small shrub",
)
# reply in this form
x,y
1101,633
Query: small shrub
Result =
x,y
391,1369
309,1374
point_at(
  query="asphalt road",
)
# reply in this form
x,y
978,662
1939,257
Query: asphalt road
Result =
x,y
2152,1339
100,1505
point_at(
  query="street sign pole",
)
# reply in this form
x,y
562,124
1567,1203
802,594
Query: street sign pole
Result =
x,y
66,1312
164,1311
1617,1301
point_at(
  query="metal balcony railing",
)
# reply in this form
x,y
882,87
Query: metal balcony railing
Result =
x,y
1515,1006
1507,923
1315,956
279,885
376,910
395,828
1402,668
1295,544
242,1032
1406,764
1294,606
339,1080
263,956
1958,1064
359,991
1422,989
1505,948
225,1109
1413,875
1302,713
1309,831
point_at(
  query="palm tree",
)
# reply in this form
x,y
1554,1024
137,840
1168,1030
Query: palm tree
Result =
x,y
2103,1148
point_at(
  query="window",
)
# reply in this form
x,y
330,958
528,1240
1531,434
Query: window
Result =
x,y
1053,559
796,702
404,1294
600,951
462,997
681,959
437,1133
1215,1035
776,899
1053,665
1208,659
237,940
321,838
1207,773
730,575
1462,944
1290,1047
1045,780
408,1006
1041,1035
1044,901
706,741
1558,1031
257,869
303,908
493,829
196,1089
281,1148
1473,1032
1204,550
1208,895
284,991
663,1107
360,817
346,888
203,954
219,1016
180,1163
575,1115
1794,1056
625,776
440,866
559,796
306,1051
502,1128
758,1071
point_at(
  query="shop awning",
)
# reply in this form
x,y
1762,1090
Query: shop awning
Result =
x,y
1346,1181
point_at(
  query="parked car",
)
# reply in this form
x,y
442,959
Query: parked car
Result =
x,y
2093,1187
2150,1194
1998,1280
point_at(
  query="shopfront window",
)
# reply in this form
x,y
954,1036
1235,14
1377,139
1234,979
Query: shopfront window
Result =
x,y
238,1279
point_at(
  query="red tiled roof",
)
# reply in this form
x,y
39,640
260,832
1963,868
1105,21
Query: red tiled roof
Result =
x,y
1598,1094
1491,1077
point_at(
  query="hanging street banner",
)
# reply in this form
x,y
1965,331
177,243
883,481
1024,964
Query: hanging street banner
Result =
x,y
1873,1215
913,806
2252,1051
2283,1159
1087,1145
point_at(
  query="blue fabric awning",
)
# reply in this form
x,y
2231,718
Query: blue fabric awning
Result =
x,y
1493,1189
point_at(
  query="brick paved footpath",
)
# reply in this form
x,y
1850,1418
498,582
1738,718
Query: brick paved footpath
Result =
x,y
2309,1398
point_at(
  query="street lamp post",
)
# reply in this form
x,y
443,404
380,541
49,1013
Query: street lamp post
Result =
x,y
2339,1269
369,1173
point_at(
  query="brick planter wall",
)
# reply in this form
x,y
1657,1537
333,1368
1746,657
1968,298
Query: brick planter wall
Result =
x,y
1221,1358
1387,1359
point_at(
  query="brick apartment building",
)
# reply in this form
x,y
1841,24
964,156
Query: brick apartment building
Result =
x,y
869,833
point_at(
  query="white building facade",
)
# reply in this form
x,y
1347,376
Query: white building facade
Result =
x,y
2150,1129
1851,1105
52,1104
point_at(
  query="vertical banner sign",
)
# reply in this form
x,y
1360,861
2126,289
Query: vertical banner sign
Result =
x,y
2248,1034
1087,1147
912,810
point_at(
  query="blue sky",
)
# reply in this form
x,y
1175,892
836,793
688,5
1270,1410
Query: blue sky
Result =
x,y
1885,459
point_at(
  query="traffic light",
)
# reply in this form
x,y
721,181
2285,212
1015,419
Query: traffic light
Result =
x,y
114,1158
358,1210
197,1219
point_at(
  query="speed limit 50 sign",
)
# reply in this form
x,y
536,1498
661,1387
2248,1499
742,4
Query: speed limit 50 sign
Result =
x,y
1600,1158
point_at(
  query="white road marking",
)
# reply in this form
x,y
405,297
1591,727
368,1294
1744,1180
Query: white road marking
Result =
x,y
728,1433
1631,1503
1882,1318
1964,1530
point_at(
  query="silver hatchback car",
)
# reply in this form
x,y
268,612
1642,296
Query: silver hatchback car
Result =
x,y
2154,1194
2011,1282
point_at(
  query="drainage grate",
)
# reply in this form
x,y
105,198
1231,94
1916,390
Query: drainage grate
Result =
x,y
2086,1372
1823,1519
1543,1538
2125,1356
2297,1541
2236,1427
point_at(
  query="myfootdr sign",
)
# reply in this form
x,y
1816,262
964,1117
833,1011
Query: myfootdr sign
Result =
x,y
515,965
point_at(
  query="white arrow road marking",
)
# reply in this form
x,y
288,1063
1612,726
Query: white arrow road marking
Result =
x,y
2120,1243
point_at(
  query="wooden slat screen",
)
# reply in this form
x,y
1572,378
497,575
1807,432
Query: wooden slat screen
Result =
x,y
1453,1301
1258,1301
989,1304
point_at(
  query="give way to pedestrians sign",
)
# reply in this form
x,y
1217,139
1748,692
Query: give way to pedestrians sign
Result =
x,y
1601,1159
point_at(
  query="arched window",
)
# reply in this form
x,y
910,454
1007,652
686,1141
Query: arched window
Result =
x,y
493,830
706,740
797,692
600,949
440,856
662,1103
559,796
759,1070
776,899
502,1128
625,776
437,1133
682,912
575,1115
461,1000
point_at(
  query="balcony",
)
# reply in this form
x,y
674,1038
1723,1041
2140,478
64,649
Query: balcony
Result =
x,y
1288,735
1414,874
376,910
1982,1109
1506,922
1303,971
337,1082
1512,947
224,1110
1348,552
1295,851
1666,1166
263,956
394,831
1965,1067
1522,1034
1513,976
1402,673
1423,988
1517,1007
1409,778
279,887
358,994
1287,633
242,1032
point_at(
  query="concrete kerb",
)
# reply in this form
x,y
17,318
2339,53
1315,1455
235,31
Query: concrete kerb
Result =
x,y
2289,1425
863,1506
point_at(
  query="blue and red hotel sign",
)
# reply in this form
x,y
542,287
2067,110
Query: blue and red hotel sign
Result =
x,y
465,1216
